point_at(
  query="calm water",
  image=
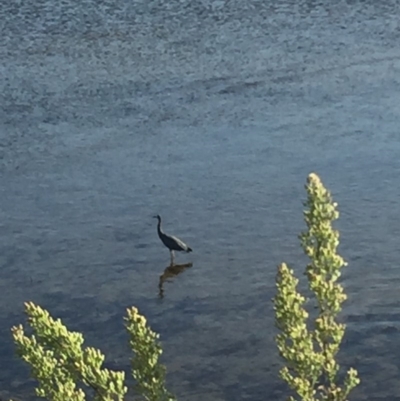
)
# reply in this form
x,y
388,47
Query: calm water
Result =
x,y
211,113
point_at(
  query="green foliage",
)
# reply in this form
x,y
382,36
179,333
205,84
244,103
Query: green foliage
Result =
x,y
59,362
146,370
311,368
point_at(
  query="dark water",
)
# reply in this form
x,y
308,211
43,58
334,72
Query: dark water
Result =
x,y
211,114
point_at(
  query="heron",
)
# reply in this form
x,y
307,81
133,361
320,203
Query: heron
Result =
x,y
171,242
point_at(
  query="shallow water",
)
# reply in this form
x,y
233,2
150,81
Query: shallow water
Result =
x,y
211,114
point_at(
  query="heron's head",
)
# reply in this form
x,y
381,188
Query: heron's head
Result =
x,y
157,216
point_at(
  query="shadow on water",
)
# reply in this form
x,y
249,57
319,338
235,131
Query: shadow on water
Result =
x,y
170,272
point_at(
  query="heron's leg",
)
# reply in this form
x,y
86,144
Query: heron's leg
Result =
x,y
172,257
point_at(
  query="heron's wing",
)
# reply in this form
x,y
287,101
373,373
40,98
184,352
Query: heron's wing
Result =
x,y
179,242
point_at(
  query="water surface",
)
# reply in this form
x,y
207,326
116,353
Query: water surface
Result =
x,y
211,114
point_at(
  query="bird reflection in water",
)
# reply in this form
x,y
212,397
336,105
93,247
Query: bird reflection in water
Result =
x,y
170,272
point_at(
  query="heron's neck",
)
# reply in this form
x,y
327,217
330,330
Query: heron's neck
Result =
x,y
159,227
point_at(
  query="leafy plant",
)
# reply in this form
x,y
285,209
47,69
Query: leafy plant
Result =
x,y
146,370
310,353
64,368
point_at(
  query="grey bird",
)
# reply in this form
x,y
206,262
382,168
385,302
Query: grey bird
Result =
x,y
171,242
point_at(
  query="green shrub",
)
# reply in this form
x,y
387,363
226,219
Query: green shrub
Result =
x,y
63,368
310,353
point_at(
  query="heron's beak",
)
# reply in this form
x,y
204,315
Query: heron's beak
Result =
x,y
154,217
